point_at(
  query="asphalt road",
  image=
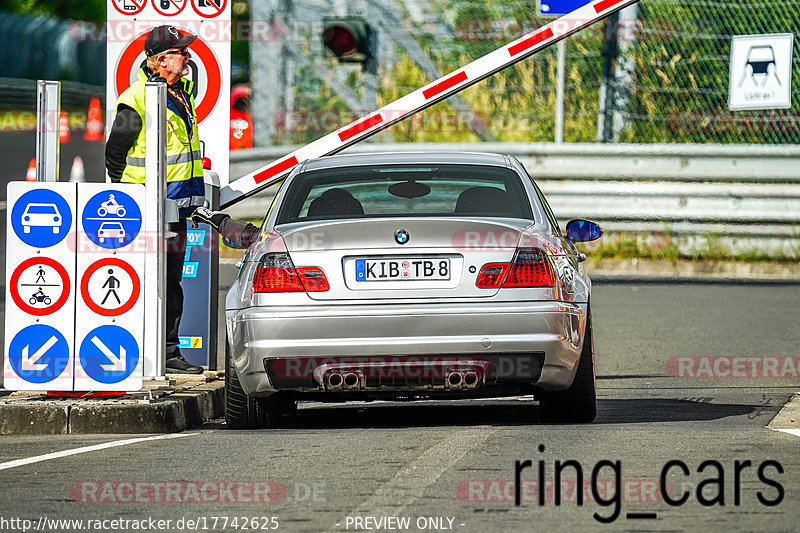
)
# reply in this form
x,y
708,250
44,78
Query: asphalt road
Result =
x,y
449,466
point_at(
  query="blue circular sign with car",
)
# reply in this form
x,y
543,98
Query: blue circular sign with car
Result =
x,y
111,219
41,218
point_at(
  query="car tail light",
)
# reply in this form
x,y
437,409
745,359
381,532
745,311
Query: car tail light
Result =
x,y
313,279
492,275
276,273
530,268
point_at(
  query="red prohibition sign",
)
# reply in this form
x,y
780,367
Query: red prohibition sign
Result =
x,y
127,4
180,4
55,265
218,5
204,53
110,261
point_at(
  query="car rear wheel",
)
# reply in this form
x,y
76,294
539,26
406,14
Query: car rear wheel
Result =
x,y
244,412
577,404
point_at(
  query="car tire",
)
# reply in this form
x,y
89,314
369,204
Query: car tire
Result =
x,y
244,412
578,403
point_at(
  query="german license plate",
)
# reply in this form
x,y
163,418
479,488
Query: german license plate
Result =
x,y
411,268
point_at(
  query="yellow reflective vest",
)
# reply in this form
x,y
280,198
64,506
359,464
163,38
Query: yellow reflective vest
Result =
x,y
184,164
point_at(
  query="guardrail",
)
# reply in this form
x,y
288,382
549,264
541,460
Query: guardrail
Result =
x,y
740,200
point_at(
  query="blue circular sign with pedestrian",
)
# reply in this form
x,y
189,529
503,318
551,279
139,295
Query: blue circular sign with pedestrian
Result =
x,y
111,219
109,354
41,218
38,353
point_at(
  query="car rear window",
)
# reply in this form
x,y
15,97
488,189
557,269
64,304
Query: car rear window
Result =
x,y
405,190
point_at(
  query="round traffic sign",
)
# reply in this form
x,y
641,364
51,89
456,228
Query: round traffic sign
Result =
x,y
111,219
109,354
129,7
169,8
208,80
110,287
208,8
38,353
47,294
41,218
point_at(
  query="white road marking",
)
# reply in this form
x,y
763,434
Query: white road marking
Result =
x,y
795,432
411,481
85,449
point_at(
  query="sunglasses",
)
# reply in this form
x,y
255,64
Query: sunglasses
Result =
x,y
184,52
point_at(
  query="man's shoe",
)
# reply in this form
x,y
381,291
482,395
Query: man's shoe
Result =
x,y
178,365
207,216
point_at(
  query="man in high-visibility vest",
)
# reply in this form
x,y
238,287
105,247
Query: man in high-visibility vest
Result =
x,y
167,60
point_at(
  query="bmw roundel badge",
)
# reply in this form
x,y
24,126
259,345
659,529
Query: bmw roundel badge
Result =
x,y
401,236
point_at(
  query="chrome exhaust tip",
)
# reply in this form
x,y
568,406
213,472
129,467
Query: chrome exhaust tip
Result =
x,y
454,379
335,380
471,379
351,380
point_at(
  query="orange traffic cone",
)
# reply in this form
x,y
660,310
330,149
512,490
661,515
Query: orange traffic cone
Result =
x,y
94,122
63,128
31,175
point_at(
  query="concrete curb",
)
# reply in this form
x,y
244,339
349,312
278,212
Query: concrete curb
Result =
x,y
171,413
789,415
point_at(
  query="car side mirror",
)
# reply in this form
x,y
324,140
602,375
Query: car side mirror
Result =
x,y
583,231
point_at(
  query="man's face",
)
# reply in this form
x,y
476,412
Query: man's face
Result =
x,y
177,61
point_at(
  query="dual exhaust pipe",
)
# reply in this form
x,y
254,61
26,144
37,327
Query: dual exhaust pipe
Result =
x,y
462,380
347,381
446,375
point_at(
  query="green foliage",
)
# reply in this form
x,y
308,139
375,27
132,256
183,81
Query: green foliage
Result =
x,y
66,9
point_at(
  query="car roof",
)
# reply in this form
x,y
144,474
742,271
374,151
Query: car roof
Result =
x,y
402,158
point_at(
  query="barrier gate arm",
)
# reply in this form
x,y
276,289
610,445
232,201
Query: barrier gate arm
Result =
x,y
414,102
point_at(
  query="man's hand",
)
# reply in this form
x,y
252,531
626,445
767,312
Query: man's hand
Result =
x,y
207,216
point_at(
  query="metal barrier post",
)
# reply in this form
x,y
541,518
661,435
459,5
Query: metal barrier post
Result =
x,y
155,118
48,120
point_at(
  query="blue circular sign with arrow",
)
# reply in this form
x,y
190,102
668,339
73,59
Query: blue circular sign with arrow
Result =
x,y
111,219
41,218
38,353
109,354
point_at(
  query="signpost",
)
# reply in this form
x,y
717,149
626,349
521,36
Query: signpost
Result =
x,y
761,72
130,21
109,335
74,249
40,293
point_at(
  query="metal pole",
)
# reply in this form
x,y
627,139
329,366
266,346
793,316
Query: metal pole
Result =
x,y
48,120
608,85
155,128
560,67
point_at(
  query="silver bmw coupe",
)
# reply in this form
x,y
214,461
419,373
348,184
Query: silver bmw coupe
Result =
x,y
430,275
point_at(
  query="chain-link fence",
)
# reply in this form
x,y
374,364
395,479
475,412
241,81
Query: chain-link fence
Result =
x,y
667,74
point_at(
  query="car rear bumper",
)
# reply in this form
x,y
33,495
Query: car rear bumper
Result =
x,y
537,343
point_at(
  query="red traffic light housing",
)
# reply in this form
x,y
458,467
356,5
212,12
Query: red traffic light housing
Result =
x,y
347,38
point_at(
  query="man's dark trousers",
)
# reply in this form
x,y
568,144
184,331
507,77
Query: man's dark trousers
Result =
x,y
176,250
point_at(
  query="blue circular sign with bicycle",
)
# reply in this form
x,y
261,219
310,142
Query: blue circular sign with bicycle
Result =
x,y
111,219
41,218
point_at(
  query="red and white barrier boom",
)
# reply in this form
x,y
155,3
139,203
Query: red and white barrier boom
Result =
x,y
418,100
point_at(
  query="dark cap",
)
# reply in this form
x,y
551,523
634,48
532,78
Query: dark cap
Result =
x,y
165,37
